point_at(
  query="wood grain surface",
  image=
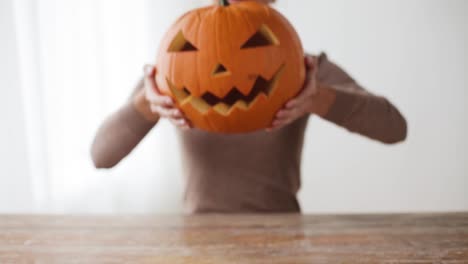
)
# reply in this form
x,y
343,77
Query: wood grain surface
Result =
x,y
426,238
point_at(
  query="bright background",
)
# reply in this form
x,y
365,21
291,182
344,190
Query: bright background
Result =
x,y
67,64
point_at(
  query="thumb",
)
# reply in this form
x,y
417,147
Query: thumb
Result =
x,y
149,70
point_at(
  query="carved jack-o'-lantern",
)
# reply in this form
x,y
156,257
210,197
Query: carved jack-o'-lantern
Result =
x,y
230,68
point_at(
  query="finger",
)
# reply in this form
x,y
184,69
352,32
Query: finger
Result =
x,y
151,88
182,123
281,113
150,73
285,113
309,61
294,102
314,88
288,117
311,67
311,88
302,100
179,121
170,112
185,127
281,123
162,100
291,113
299,100
285,117
152,91
189,124
279,126
304,96
166,112
149,70
279,117
276,124
308,90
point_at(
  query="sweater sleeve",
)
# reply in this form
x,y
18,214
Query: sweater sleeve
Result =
x,y
119,134
358,110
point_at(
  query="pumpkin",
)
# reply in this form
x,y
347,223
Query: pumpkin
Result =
x,y
230,68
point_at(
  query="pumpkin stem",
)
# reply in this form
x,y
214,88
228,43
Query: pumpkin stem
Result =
x,y
223,2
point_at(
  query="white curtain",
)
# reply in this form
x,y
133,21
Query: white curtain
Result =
x,y
79,60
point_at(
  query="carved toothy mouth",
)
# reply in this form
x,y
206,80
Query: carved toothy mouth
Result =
x,y
233,99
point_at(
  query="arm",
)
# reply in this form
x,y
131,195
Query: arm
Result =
x,y
121,132
332,94
352,107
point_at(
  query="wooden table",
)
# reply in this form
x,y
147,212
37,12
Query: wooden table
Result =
x,y
429,238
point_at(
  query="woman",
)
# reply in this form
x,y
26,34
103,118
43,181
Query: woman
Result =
x,y
256,172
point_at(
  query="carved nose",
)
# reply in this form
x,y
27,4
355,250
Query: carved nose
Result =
x,y
220,69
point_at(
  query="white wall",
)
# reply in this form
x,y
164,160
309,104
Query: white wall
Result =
x,y
15,189
415,53
412,51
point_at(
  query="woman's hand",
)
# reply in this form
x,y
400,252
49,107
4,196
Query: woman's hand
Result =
x,y
313,99
301,104
160,104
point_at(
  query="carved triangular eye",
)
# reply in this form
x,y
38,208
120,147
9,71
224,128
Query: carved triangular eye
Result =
x,y
263,37
180,43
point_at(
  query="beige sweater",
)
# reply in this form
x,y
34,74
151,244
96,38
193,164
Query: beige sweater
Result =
x,y
256,172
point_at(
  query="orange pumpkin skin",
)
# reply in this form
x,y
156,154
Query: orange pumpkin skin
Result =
x,y
230,69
